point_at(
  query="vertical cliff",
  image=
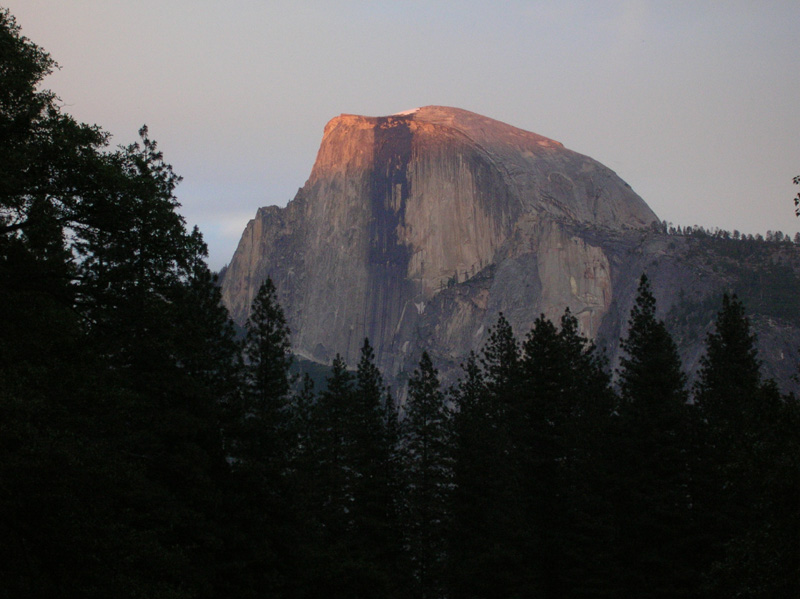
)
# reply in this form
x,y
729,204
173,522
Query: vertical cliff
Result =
x,y
402,211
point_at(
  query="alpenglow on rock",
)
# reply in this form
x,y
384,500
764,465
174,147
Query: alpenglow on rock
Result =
x,y
417,229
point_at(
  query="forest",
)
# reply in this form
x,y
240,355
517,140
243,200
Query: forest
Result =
x,y
146,450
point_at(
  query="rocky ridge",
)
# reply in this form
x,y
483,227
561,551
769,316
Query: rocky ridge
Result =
x,y
417,229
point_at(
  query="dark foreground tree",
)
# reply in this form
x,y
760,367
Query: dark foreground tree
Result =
x,y
428,465
652,481
115,359
375,535
346,473
265,414
261,447
530,504
486,553
472,503
749,453
565,407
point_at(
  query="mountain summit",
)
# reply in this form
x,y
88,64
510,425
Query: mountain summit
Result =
x,y
529,172
417,229
400,208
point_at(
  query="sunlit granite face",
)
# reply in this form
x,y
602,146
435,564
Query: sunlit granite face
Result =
x,y
419,227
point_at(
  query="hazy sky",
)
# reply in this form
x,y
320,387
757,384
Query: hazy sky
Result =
x,y
695,104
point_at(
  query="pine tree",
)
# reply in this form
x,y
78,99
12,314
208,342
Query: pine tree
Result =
x,y
428,463
46,158
499,360
652,444
370,449
336,477
263,440
650,376
730,372
208,356
101,389
487,554
134,253
472,525
745,442
305,442
268,351
587,466
375,527
565,405
261,448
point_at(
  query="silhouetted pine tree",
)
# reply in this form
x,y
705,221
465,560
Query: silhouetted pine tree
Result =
x,y
114,360
471,534
730,372
652,492
487,545
375,538
262,443
335,481
429,478
260,450
749,495
566,404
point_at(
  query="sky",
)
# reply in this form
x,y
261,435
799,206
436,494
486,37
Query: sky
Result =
x,y
694,104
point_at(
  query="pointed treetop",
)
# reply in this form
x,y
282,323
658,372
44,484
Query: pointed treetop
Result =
x,y
651,370
730,368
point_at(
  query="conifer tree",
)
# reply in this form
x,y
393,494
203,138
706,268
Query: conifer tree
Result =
x,y
370,448
303,438
428,463
260,450
499,360
208,355
587,465
110,388
650,376
486,548
745,442
134,252
470,534
264,434
652,501
267,348
374,535
565,405
730,372
334,414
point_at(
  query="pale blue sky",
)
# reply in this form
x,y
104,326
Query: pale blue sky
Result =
x,y
695,104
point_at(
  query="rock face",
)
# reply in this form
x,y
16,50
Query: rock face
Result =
x,y
397,208
416,230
